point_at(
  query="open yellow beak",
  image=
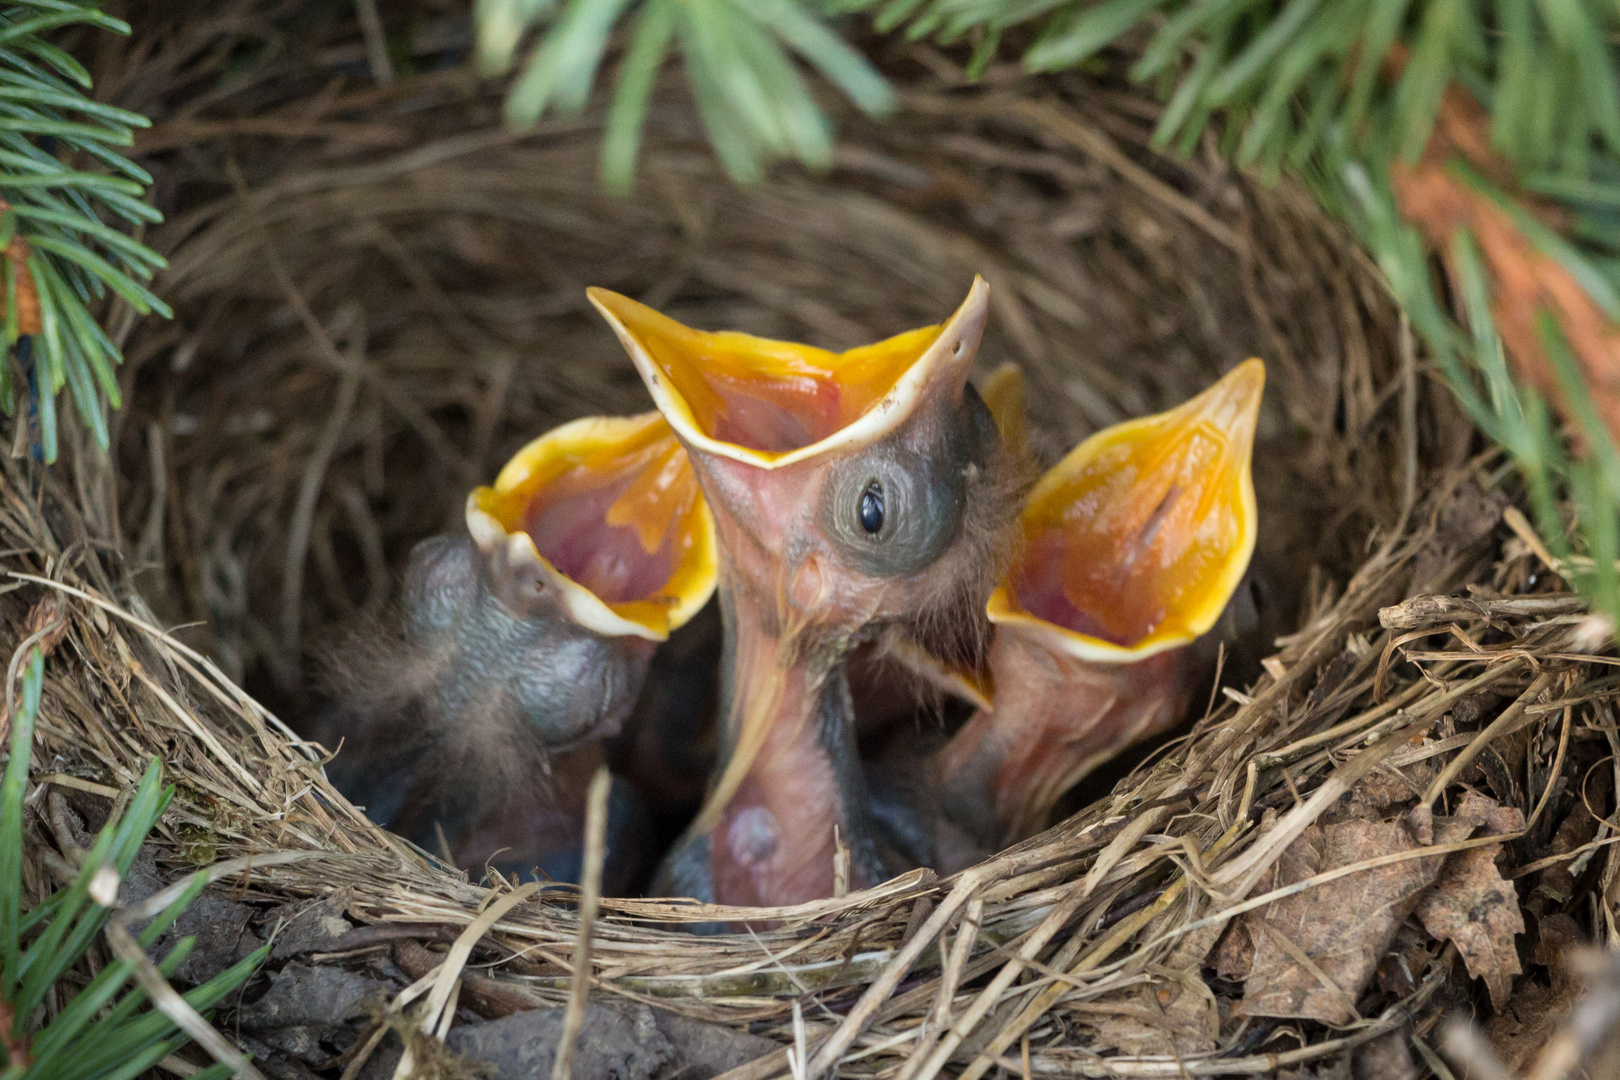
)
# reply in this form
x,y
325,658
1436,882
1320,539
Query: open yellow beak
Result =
x,y
773,403
606,511
1135,541
1003,394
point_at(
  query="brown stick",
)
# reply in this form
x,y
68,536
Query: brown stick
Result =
x,y
590,895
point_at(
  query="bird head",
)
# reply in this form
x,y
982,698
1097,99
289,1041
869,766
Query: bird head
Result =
x,y
1134,542
847,487
850,490
599,521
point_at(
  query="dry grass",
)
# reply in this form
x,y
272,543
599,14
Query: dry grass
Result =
x,y
379,296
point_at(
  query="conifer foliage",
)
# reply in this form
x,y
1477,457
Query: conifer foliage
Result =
x,y
65,196
97,1026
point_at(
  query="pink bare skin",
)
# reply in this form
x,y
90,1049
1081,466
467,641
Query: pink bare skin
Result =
x,y
794,607
1056,718
906,524
1134,546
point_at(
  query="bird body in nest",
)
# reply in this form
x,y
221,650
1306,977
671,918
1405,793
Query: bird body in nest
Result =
x,y
850,491
474,725
1128,552
852,509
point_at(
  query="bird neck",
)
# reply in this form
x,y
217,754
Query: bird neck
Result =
x,y
792,773
1056,718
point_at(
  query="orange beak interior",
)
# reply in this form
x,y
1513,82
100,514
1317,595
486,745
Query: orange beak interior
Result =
x,y
769,396
613,505
1135,541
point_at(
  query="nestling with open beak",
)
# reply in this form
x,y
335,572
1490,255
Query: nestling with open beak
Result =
x,y
850,490
474,728
1129,550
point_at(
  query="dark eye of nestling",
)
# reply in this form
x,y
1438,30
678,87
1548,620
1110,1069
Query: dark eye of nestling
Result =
x,y
871,508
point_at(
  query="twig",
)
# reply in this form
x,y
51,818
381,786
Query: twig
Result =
x,y
1503,725
840,866
939,1019
444,983
161,899
1122,932
309,485
596,808
833,1047
1409,428
1421,611
1557,767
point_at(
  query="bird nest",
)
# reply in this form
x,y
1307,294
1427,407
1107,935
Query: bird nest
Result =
x,y
379,295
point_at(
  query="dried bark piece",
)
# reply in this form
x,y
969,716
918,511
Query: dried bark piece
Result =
x,y
1341,929
1402,968
1557,883
1557,936
1474,907
1234,956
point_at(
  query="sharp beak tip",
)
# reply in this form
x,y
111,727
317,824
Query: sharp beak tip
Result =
x,y
1236,397
969,320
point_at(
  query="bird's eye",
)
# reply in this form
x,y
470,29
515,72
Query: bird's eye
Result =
x,y
871,508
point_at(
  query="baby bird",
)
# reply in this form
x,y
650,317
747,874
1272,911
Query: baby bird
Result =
x,y
474,727
1129,550
850,490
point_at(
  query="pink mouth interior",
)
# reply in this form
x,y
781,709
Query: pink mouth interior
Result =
x,y
573,534
1130,614
775,417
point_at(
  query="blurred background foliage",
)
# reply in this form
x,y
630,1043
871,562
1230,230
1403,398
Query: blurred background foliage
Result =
x,y
67,197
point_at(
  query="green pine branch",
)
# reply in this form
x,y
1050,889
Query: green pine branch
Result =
x,y
107,1030
739,61
67,195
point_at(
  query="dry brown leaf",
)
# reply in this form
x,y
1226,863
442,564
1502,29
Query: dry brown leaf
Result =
x,y
1174,1016
1518,1032
1168,1019
1473,907
1190,950
1557,936
1343,928
1481,810
1402,968
1557,883
1387,786
1234,956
